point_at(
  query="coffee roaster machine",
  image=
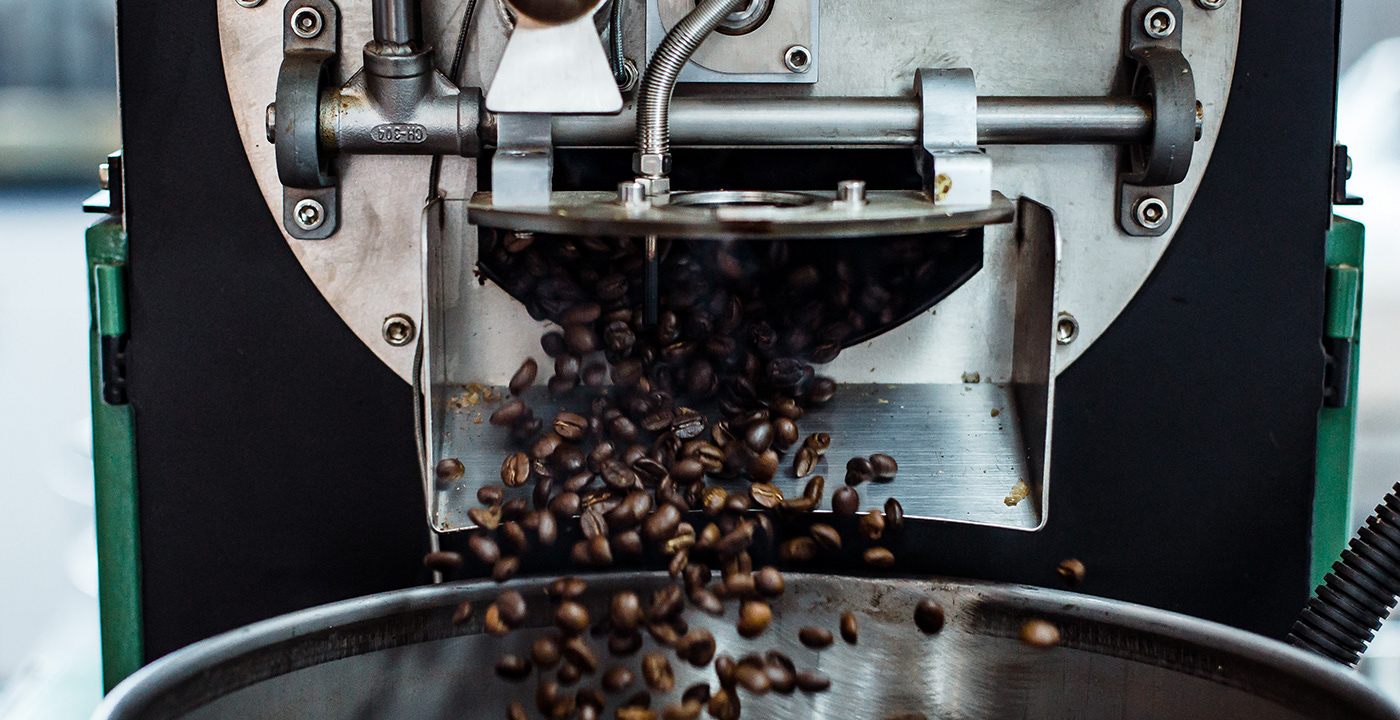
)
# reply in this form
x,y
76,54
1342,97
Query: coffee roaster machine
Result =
x,y
1129,338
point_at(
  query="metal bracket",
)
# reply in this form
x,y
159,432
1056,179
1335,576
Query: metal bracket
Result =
x,y
522,170
955,170
1151,171
310,44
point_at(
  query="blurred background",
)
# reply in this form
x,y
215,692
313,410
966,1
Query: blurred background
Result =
x,y
59,119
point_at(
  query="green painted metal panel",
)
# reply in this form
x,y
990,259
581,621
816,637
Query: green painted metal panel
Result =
x,y
114,466
1336,427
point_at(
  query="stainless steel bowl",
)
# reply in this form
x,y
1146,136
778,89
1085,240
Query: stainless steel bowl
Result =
x,y
397,655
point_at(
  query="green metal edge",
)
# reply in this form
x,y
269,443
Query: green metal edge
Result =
x,y
1336,427
114,474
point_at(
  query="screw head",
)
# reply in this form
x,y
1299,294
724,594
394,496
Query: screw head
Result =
x,y
308,214
1066,329
399,330
1159,23
307,22
1211,4
798,59
1151,213
249,3
271,122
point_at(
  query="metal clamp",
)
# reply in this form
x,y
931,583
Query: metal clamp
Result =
x,y
310,44
1151,171
955,170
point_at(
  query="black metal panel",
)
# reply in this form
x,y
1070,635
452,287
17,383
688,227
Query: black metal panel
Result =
x,y
275,456
275,453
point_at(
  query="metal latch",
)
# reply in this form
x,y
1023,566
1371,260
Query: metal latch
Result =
x,y
110,307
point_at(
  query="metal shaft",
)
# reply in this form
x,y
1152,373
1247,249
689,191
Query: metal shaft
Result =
x,y
396,21
866,122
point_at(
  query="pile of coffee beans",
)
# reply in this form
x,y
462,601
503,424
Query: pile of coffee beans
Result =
x,y
669,449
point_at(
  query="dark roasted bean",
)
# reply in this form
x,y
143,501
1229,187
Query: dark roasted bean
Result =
x,y
617,678
928,616
545,446
571,617
1039,633
826,536
508,413
577,652
821,390
754,617
488,518
590,698
1071,571
752,678
850,632
688,710
804,461
559,385
883,466
815,637
513,667
765,495
816,487
769,582
491,621
545,651
512,607
665,603
759,436
706,601
553,343
514,509
565,505
878,557
594,374
442,561
812,681
781,678
580,340
872,525
634,712
624,644
699,692
656,670
661,525
819,442
578,553
515,711
798,549
639,699
625,611
490,495
723,705
570,426
784,434
858,470
894,515
484,548
524,377
449,469
515,470
764,466
845,501
548,530
505,568
599,551
463,613
800,504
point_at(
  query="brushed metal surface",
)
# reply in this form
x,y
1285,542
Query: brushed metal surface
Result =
x,y
397,655
868,48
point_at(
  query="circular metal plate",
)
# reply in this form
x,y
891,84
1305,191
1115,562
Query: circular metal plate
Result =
x,y
730,215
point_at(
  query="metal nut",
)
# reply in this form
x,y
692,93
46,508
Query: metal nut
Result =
x,y
653,164
271,121
309,214
399,330
1211,4
630,76
307,22
1151,213
1159,23
798,59
1066,329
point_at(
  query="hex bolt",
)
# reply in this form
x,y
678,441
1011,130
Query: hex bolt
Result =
x,y
1211,4
1159,23
271,121
399,330
1066,328
1151,213
798,59
309,214
630,76
307,22
851,192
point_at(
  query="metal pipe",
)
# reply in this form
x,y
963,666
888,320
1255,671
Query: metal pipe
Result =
x,y
866,122
396,22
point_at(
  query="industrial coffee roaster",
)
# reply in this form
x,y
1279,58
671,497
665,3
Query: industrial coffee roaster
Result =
x,y
1073,264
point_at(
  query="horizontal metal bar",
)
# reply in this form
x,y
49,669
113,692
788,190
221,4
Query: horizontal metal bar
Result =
x,y
865,122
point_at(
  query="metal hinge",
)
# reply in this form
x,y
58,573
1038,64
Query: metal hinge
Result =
x,y
1339,332
1341,173
107,200
110,306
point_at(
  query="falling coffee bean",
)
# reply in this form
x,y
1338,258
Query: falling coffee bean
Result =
x,y
489,495
492,622
513,667
872,525
845,502
849,631
512,607
894,515
484,548
1071,571
507,414
545,651
449,469
826,536
442,561
524,377
463,613
928,616
624,644
617,678
769,582
754,618
656,670
566,588
515,470
1039,633
878,557
516,711
858,470
766,495
505,568
812,681
753,679
804,461
577,652
570,426
798,549
571,617
883,466
815,637
625,611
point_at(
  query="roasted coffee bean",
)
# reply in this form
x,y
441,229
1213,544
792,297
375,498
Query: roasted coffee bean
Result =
x,y
548,530
928,616
752,678
845,502
617,678
883,466
687,471
565,505
507,414
800,504
765,495
764,466
514,509
754,618
736,540
491,621
592,524
560,385
524,377
663,633
819,442
590,698
707,602
894,515
656,670
804,461
553,343
449,469
578,553
1040,634
463,613
484,548
737,503
677,564
723,705
769,582
489,495
622,430
594,375
858,470
713,500
568,459
781,676
571,617
850,632
738,585
545,651
798,549
566,588
546,696
513,667
599,551
812,681
696,646
570,426
815,637
580,340
577,652
512,607
634,712
505,568
688,710
627,543
759,436
699,692
650,471
639,699
581,314
625,611
687,424
878,557
515,470
821,390
1071,571
666,603
515,711
545,446
826,536
872,525
526,428
784,434
710,456
442,561
724,670
623,644
661,525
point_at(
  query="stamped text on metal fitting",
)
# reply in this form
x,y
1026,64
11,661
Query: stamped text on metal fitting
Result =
x,y
405,133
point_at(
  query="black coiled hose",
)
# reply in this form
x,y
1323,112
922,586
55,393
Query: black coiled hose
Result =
x,y
1355,597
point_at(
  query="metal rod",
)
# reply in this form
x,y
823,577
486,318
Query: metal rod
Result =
x,y
396,21
866,122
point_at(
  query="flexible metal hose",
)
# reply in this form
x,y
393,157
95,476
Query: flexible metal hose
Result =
x,y
1356,596
654,98
615,35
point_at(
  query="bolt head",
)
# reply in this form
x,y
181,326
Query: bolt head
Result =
x,y
652,164
1066,328
399,330
1159,22
797,59
1151,213
307,22
1211,4
249,3
309,213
